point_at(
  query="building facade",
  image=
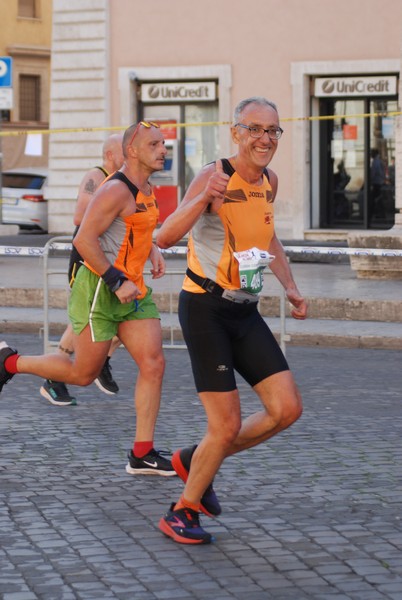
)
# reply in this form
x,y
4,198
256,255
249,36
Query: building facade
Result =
x,y
332,69
25,39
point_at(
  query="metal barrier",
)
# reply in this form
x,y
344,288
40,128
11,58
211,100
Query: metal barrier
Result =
x,y
47,273
63,243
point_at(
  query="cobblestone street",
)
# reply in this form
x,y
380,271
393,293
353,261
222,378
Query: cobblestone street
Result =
x,y
313,515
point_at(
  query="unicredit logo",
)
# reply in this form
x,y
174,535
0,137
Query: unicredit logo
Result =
x,y
355,86
153,91
328,86
181,91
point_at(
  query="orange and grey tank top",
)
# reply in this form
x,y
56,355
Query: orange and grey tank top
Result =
x,y
245,220
128,240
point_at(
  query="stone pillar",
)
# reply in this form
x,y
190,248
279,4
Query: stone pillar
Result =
x,y
78,99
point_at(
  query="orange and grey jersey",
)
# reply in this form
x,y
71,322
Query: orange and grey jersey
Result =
x,y
128,240
245,220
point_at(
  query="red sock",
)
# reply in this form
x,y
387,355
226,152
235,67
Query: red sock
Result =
x,y
10,364
140,449
183,503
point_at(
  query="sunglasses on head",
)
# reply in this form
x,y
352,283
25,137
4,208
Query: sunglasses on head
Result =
x,y
146,124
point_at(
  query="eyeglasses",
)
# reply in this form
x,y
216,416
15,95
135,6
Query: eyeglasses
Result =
x,y
274,133
146,124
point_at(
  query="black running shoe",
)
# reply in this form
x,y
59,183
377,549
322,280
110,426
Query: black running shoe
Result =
x,y
5,352
183,526
181,461
150,464
57,393
105,381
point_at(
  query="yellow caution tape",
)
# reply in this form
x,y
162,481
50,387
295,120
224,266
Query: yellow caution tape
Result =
x,y
204,124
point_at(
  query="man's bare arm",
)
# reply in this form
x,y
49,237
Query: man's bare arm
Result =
x,y
208,187
109,202
89,184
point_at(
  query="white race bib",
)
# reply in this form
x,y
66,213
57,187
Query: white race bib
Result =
x,y
251,266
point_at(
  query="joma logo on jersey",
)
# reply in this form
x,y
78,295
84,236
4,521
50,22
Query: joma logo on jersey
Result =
x,y
256,195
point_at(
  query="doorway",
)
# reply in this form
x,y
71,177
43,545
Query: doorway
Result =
x,y
189,147
357,163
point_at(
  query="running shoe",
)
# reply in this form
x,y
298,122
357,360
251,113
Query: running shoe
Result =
x,y
57,393
181,461
152,463
105,381
183,526
5,352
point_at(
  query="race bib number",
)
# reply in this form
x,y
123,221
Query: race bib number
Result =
x,y
251,266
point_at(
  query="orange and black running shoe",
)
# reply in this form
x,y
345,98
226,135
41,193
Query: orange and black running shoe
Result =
x,y
181,461
183,526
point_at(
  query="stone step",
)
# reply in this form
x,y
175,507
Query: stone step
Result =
x,y
349,309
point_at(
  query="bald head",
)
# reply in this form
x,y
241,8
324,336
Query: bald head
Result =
x,y
128,137
134,134
113,152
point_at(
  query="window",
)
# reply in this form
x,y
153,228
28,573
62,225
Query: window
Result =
x,y
29,101
5,116
27,9
23,181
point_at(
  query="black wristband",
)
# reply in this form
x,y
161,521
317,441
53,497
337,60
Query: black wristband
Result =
x,y
113,278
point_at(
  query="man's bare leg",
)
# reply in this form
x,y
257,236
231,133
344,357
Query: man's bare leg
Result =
x,y
143,340
82,370
227,435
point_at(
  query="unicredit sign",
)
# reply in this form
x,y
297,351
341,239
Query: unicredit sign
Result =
x,y
355,86
199,91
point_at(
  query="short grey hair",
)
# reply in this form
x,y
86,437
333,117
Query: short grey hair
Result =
x,y
260,100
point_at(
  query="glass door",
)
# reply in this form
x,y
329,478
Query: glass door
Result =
x,y
381,200
189,147
357,158
342,175
201,142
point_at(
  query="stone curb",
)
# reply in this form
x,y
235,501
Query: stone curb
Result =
x,y
389,311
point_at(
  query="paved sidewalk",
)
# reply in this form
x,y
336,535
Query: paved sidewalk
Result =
x,y
313,515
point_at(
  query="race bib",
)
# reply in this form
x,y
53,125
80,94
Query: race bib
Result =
x,y
251,266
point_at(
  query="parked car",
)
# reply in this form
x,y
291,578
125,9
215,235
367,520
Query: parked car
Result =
x,y
24,198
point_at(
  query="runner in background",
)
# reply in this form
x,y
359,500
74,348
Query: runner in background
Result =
x,y
110,297
112,158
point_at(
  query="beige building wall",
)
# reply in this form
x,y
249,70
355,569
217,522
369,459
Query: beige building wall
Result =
x,y
266,47
23,30
272,47
28,42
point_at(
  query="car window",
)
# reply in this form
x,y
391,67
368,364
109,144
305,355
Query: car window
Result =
x,y
22,180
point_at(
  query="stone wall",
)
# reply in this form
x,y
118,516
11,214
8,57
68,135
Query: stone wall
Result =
x,y
78,99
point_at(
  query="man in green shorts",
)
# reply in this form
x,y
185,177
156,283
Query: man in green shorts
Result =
x,y
110,297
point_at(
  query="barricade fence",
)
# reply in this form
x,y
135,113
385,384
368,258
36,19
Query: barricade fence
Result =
x,y
63,244
302,250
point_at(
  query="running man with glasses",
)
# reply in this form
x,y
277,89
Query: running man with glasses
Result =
x,y
109,296
229,208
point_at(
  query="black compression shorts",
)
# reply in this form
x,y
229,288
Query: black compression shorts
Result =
x,y
223,337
